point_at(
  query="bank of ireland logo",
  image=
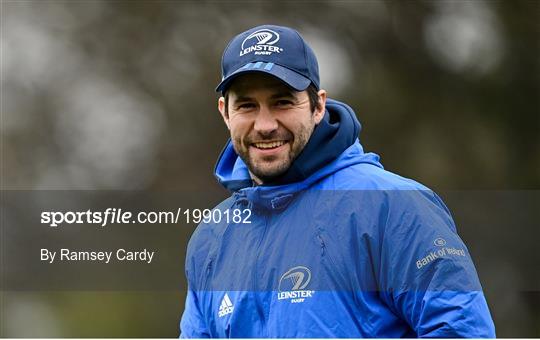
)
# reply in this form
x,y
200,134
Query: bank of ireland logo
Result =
x,y
292,285
261,42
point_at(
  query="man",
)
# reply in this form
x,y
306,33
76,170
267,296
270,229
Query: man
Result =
x,y
329,243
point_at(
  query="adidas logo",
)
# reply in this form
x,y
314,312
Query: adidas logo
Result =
x,y
226,306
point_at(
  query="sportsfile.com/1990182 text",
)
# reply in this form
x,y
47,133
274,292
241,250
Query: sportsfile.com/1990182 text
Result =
x,y
114,215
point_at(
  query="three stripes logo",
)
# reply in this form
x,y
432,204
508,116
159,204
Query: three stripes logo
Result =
x,y
261,43
226,306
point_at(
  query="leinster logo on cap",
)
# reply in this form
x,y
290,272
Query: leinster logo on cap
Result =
x,y
261,42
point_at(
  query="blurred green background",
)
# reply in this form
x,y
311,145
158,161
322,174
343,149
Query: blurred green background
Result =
x,y
119,95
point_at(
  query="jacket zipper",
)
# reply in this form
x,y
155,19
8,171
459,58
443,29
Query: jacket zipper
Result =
x,y
260,303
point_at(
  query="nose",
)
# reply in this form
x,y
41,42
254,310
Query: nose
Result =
x,y
265,122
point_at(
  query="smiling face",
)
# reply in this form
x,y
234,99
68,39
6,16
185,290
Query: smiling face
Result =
x,y
270,123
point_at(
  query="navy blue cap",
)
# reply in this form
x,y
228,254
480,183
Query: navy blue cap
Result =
x,y
276,50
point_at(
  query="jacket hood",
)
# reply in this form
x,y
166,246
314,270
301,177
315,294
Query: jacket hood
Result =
x,y
332,146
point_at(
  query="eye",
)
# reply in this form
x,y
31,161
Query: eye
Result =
x,y
283,102
245,106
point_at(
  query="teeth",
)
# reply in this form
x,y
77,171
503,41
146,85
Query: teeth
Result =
x,y
269,145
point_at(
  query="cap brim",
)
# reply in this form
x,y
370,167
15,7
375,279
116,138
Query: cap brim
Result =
x,y
290,77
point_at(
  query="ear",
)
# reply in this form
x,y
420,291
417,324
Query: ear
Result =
x,y
223,111
321,109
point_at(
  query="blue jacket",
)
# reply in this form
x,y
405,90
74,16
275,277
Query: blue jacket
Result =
x,y
336,247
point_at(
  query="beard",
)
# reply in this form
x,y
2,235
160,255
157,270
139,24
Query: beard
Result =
x,y
266,168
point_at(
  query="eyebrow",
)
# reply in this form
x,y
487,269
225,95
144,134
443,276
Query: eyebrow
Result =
x,y
242,99
282,94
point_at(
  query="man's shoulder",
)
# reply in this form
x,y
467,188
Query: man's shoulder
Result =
x,y
204,243
399,192
206,234
206,231
366,176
